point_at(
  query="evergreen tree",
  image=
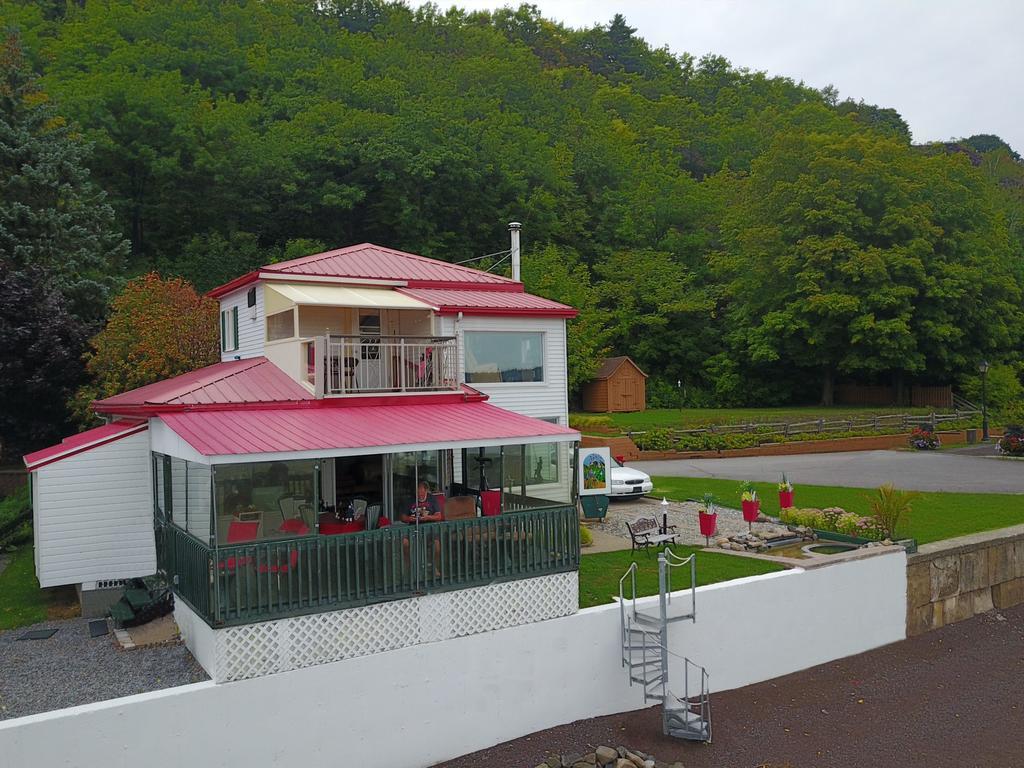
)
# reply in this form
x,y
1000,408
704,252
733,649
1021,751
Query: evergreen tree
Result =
x,y
59,251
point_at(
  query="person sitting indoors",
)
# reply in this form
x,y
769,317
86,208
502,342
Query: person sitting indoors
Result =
x,y
424,507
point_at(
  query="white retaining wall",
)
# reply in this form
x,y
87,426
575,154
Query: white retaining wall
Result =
x,y
471,692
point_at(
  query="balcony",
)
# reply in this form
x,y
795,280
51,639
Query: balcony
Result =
x,y
360,365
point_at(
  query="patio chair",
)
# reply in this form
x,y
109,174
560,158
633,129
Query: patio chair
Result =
x,y
594,507
643,534
372,516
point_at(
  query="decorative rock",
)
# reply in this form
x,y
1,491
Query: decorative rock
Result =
x,y
590,759
649,763
624,763
621,750
635,759
554,761
569,761
605,756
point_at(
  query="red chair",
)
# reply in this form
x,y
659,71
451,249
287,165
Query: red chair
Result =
x,y
239,531
295,525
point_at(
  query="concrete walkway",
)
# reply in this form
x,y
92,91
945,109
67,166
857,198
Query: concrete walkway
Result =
x,y
914,470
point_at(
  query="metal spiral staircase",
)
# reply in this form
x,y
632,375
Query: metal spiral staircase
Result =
x,y
645,652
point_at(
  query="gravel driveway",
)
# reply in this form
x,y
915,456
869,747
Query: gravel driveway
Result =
x,y
71,668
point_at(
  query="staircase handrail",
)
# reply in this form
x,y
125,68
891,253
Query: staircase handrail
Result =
x,y
672,560
631,571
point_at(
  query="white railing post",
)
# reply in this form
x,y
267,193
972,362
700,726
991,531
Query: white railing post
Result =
x,y
319,353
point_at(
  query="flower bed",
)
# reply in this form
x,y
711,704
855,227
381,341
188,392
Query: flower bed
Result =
x,y
1012,443
924,439
662,439
835,520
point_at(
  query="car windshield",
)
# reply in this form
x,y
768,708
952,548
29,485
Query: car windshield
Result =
x,y
616,462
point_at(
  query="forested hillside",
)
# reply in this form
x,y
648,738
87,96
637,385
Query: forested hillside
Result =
x,y
749,236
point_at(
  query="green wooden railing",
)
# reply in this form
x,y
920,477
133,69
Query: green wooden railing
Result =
x,y
244,583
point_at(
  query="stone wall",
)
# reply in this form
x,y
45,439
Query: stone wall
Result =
x,y
952,580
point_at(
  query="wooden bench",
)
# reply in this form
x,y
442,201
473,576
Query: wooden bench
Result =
x,y
643,533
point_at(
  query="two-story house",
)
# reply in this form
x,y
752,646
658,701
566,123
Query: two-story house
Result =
x,y
382,457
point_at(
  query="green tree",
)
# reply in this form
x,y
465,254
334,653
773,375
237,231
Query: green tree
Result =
x,y
59,254
857,256
51,214
157,329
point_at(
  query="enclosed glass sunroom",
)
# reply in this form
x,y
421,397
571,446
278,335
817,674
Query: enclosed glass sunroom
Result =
x,y
248,537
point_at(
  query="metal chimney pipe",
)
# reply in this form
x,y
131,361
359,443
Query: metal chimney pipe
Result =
x,y
513,230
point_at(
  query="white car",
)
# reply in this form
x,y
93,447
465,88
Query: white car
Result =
x,y
628,482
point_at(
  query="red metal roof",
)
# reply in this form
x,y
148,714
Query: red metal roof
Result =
x,y
84,441
476,302
367,261
235,382
224,433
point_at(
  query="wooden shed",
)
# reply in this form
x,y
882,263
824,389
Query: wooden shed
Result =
x,y
619,385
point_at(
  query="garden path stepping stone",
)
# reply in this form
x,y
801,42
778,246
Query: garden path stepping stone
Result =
x,y
39,634
98,628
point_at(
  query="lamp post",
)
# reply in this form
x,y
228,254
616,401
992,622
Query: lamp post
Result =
x,y
983,368
679,390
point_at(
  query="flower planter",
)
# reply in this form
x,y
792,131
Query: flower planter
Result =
x,y
490,503
708,523
785,499
751,510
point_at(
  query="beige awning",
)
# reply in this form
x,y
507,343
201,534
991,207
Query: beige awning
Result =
x,y
282,296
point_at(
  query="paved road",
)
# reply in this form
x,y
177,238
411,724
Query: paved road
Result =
x,y
949,698
915,470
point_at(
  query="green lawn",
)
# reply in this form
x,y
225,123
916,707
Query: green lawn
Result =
x,y
935,516
22,602
692,418
600,573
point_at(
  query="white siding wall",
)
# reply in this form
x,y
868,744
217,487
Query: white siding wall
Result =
x,y
94,514
251,332
541,400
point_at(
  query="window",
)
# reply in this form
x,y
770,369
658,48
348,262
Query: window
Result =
x,y
250,298
504,356
229,329
281,325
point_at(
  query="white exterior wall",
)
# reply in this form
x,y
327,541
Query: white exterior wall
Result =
x,y
542,400
251,330
94,514
475,691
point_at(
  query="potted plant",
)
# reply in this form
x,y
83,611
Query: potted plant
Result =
x,y
750,503
785,493
707,518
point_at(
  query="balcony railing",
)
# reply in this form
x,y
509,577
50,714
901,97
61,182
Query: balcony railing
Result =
x,y
246,583
348,365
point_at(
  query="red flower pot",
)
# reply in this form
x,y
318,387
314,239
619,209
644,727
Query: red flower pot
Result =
x,y
751,510
490,503
707,523
785,499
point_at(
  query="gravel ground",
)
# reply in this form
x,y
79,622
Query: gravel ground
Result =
x,y
683,515
71,668
946,698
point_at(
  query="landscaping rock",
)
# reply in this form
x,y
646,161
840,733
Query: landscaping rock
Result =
x,y
606,756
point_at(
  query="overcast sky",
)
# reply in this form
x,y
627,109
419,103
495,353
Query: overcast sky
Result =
x,y
951,68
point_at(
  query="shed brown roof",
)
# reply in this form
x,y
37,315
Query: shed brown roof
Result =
x,y
611,364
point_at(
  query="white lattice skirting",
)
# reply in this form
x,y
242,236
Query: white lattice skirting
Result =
x,y
260,649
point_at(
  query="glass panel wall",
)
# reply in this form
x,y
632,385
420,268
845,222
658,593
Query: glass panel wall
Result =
x,y
264,500
408,470
181,494
529,475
